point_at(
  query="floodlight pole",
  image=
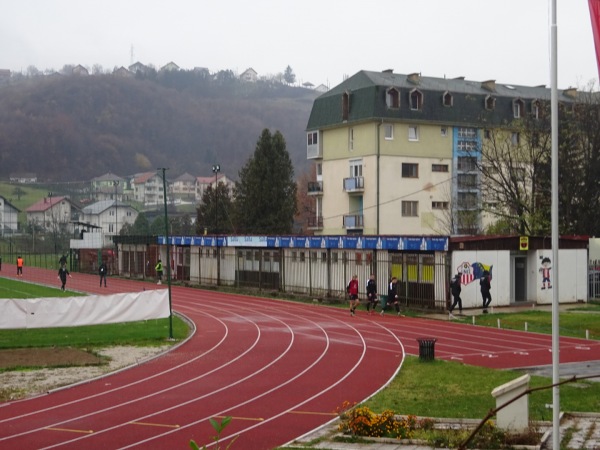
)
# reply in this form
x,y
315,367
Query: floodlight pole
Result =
x,y
168,257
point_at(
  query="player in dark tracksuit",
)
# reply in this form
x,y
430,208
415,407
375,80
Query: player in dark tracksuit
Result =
x,y
371,294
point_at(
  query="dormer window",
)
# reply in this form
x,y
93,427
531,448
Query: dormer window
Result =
x,y
490,103
392,98
416,100
535,109
447,99
518,108
345,105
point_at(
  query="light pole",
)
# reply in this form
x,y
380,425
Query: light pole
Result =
x,y
164,180
116,261
216,169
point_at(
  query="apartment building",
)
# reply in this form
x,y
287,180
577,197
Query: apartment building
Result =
x,y
400,153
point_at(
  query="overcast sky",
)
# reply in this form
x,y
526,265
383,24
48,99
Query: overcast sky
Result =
x,y
322,41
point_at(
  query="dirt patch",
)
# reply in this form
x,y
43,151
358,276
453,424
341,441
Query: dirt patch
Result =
x,y
47,357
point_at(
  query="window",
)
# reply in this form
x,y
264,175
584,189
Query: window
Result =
x,y
388,130
410,170
439,205
351,139
490,103
345,105
518,108
466,163
447,99
469,133
487,134
467,181
312,138
355,167
439,167
410,209
416,100
467,200
444,131
392,98
515,138
413,133
535,109
319,169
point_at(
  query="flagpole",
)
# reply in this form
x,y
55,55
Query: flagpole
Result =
x,y
555,236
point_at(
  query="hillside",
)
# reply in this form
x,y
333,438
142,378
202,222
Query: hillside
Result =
x,y
66,128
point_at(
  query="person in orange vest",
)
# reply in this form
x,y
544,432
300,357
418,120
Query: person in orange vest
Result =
x,y
19,266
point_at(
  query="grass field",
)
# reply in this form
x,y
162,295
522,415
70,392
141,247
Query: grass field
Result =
x,y
16,289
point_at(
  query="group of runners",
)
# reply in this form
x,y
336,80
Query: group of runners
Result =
x,y
372,296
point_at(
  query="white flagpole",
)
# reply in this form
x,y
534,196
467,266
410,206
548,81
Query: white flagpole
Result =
x,y
555,236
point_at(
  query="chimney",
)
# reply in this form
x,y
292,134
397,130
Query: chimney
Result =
x,y
388,71
570,92
414,78
489,85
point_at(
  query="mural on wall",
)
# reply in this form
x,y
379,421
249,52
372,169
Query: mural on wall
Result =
x,y
469,272
545,271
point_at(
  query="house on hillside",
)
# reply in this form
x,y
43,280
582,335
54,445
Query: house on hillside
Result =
x,y
52,213
109,187
202,183
249,75
169,67
148,189
184,186
321,88
80,70
138,67
4,76
109,216
9,222
122,72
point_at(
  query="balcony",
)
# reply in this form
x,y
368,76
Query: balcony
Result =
x,y
315,188
353,221
315,223
314,151
354,184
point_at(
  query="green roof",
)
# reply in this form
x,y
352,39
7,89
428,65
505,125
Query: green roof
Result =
x,y
368,100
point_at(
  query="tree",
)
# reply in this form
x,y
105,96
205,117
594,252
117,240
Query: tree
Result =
x,y
512,164
265,195
140,227
18,192
289,76
213,214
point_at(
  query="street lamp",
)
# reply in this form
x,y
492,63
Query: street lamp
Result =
x,y
216,169
116,184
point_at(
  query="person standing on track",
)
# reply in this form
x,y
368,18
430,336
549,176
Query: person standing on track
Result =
x,y
102,271
371,294
352,290
62,274
20,263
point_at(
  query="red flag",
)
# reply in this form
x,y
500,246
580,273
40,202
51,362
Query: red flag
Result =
x,y
595,14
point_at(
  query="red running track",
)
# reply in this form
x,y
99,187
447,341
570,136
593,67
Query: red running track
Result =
x,y
280,369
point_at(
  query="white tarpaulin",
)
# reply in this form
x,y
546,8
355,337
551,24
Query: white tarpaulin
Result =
x,y
77,311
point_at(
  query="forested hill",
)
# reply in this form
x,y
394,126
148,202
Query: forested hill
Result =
x,y
74,128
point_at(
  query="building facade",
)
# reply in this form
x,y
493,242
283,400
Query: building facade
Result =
x,y
400,154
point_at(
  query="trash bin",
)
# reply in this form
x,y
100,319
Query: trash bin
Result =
x,y
426,349
383,301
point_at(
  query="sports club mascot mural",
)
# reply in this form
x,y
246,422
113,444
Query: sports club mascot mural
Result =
x,y
472,271
545,271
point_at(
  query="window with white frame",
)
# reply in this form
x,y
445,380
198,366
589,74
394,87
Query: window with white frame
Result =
x,y
490,103
410,208
350,139
535,109
355,168
518,108
312,138
388,130
444,131
515,138
413,133
447,99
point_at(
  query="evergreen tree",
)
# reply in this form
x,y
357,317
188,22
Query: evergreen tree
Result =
x,y
265,195
289,75
209,221
140,227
